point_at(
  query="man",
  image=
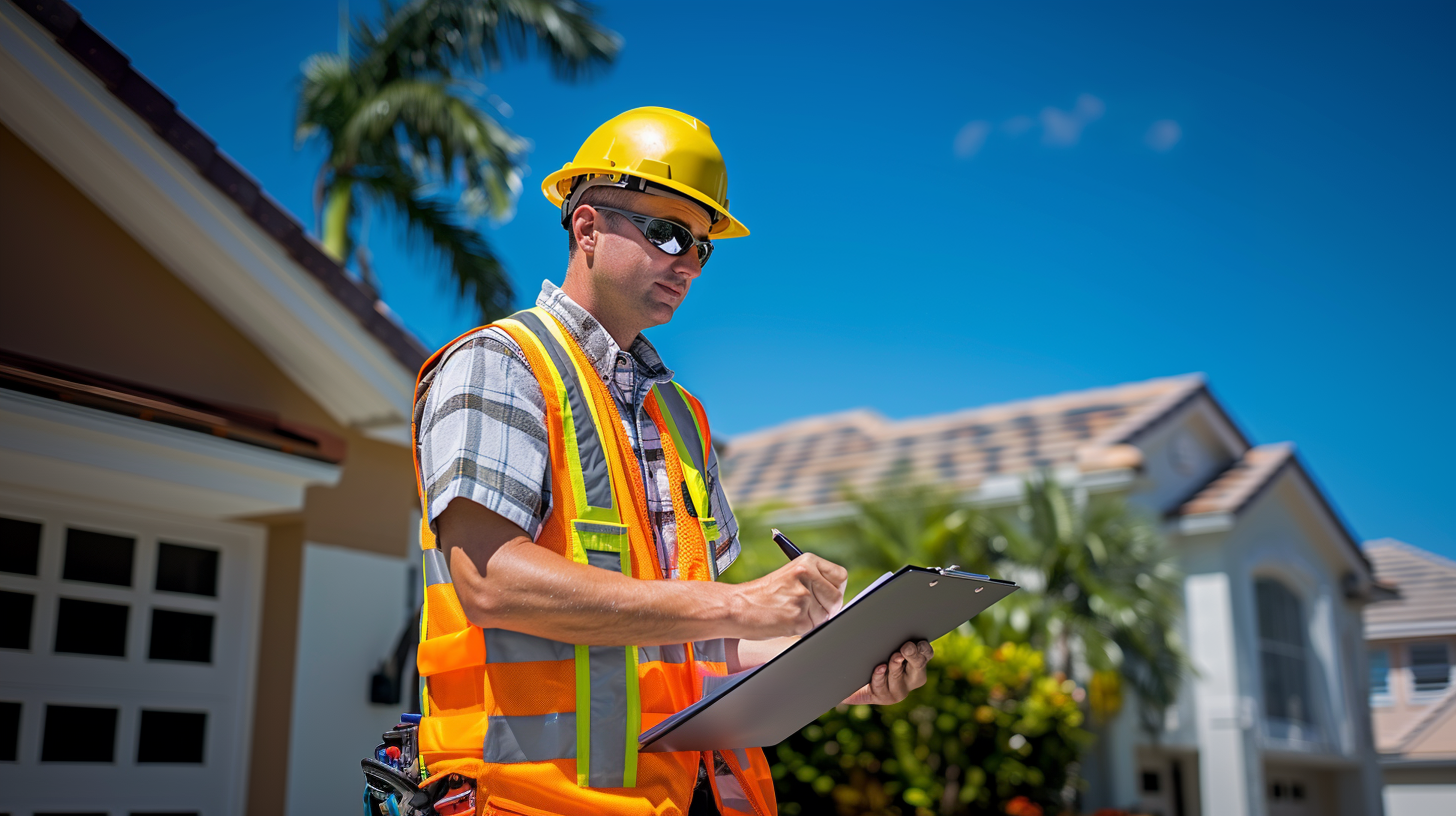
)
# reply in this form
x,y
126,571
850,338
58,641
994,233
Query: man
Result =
x,y
576,522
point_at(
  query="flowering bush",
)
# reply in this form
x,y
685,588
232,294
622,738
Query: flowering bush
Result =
x,y
989,732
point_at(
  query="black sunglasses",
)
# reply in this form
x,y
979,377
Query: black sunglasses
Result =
x,y
668,236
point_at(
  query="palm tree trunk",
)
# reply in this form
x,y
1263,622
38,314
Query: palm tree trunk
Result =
x,y
338,213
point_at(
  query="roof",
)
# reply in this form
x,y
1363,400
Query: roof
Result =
x,y
1231,490
104,393
114,70
805,462
1427,584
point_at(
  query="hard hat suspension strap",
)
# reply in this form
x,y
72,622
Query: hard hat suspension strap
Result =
x,y
636,184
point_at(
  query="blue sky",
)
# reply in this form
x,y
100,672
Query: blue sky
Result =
x,y
976,203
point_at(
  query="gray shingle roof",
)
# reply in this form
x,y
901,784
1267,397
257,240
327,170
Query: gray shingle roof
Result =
x,y
805,462
1427,584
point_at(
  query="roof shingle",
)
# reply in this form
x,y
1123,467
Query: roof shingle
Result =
x,y
807,461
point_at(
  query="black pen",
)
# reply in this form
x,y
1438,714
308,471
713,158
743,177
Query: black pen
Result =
x,y
786,545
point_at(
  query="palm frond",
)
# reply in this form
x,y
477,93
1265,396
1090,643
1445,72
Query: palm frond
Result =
x,y
440,37
474,269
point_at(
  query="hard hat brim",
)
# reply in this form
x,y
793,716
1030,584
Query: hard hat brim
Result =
x,y
728,227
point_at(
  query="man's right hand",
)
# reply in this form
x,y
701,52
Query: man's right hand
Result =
x,y
790,600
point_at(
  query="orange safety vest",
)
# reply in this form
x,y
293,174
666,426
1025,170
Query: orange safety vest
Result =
x,y
546,727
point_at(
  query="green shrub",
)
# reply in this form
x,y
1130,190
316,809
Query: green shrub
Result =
x,y
989,725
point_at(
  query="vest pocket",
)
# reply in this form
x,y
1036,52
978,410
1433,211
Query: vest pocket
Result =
x,y
602,544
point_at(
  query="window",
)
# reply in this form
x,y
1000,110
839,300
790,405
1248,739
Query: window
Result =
x,y
181,636
78,734
1379,673
192,570
172,736
1283,654
1430,666
99,558
19,546
91,628
16,610
9,731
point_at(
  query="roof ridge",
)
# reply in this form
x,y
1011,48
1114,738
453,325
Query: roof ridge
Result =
x,y
1194,380
114,70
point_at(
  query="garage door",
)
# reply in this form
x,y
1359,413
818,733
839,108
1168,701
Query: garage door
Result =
x,y
127,654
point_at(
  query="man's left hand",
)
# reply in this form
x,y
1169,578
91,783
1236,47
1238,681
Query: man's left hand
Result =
x,y
893,680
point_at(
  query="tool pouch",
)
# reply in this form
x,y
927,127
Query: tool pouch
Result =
x,y
393,783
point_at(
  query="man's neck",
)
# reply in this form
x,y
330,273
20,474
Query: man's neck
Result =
x,y
575,288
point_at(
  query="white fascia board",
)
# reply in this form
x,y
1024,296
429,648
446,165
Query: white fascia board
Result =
x,y
1413,629
1203,523
53,446
64,113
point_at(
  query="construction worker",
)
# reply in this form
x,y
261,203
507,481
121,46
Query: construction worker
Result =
x,y
575,525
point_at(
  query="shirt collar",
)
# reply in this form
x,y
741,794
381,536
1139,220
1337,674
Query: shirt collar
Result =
x,y
594,340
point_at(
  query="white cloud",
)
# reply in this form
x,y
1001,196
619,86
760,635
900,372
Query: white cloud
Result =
x,y
1017,125
1064,128
1163,135
969,140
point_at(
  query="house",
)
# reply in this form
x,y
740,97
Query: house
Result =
x,y
207,507
1276,719
1410,642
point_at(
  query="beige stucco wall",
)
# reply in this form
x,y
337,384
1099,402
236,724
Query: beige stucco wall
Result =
x,y
1403,708
76,289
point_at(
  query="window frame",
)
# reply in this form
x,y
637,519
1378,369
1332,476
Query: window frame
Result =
x,y
1417,694
1283,729
1380,698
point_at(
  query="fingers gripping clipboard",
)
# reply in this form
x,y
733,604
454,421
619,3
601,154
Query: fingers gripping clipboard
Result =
x,y
765,705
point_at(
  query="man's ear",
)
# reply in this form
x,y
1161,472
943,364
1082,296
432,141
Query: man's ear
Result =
x,y
584,228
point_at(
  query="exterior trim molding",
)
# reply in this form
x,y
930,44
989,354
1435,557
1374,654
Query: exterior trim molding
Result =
x,y
64,113
122,460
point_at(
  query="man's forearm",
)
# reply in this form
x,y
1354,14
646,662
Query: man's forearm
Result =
x,y
532,590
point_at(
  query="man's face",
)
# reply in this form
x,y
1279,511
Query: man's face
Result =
x,y
639,281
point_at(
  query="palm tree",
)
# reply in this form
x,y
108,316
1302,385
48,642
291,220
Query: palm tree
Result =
x,y
398,112
1108,593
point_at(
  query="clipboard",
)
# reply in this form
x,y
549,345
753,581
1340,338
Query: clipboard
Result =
x,y
767,704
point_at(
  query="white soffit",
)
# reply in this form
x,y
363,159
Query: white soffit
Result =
x,y
50,445
64,113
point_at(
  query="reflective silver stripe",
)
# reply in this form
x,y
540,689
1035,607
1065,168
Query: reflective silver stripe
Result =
x,y
530,739
608,716
667,653
742,758
588,444
604,559
599,527
711,651
505,646
687,425
437,569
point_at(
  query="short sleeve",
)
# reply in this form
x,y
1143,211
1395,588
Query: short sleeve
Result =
x,y
483,435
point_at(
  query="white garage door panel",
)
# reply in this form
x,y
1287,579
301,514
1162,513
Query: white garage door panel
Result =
x,y
222,689
1419,800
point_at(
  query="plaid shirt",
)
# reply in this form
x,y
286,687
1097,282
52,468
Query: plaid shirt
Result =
x,y
484,433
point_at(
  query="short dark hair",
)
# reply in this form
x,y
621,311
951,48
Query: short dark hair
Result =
x,y
600,197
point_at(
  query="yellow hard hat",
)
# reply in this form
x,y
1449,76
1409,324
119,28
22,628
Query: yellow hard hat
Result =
x,y
652,150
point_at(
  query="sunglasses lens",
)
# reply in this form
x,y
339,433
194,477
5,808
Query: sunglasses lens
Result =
x,y
705,251
668,237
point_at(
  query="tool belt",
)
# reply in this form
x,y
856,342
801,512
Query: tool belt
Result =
x,y
394,783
